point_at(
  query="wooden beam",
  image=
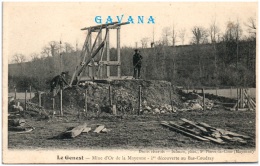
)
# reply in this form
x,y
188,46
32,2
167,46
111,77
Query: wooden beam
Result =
x,y
108,53
185,129
118,52
99,129
207,138
98,26
193,124
117,25
223,132
183,132
76,131
108,63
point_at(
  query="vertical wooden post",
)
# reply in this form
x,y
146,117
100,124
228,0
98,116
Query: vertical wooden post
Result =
x,y
242,97
237,100
25,106
40,99
86,101
53,106
15,93
90,41
118,53
231,92
140,100
216,91
101,71
204,108
171,96
61,112
108,54
30,92
110,95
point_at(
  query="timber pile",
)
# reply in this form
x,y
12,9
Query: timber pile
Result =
x,y
36,109
204,132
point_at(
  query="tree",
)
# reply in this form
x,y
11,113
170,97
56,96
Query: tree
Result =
x,y
200,35
144,42
174,35
54,47
213,31
34,57
68,47
166,34
182,34
19,58
251,26
45,51
214,37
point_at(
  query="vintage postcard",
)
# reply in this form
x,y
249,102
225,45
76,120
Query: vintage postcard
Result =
x,y
129,82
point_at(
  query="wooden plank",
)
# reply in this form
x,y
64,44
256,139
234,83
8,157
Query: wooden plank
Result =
x,y
183,132
216,140
76,131
185,129
193,124
99,128
224,132
105,130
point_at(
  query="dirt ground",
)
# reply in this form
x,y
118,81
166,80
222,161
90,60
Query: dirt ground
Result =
x,y
133,131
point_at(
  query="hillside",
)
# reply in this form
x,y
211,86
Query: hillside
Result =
x,y
189,65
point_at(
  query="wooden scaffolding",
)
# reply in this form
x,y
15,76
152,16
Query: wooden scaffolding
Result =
x,y
93,62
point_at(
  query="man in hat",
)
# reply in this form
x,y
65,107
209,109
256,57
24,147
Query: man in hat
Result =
x,y
137,63
59,80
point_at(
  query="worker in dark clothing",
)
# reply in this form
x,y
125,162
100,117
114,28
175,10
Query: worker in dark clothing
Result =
x,y
59,80
137,63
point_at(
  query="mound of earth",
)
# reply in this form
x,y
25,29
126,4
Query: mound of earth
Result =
x,y
125,95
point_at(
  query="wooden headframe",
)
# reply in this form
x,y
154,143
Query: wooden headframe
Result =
x,y
90,51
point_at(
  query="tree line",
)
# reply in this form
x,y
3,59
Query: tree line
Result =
x,y
211,59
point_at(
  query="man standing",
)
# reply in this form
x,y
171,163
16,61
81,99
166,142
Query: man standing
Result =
x,y
59,80
137,63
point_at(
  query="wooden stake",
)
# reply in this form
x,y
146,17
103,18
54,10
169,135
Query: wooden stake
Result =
x,y
231,92
110,95
40,99
53,105
140,100
118,52
237,100
30,92
204,108
61,112
25,100
171,96
216,91
86,101
242,97
15,93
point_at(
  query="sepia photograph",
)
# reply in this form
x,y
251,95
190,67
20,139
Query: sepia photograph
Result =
x,y
129,82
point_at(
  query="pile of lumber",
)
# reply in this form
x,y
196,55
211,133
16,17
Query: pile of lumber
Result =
x,y
83,128
204,132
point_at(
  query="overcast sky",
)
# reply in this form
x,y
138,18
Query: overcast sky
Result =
x,y
27,27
